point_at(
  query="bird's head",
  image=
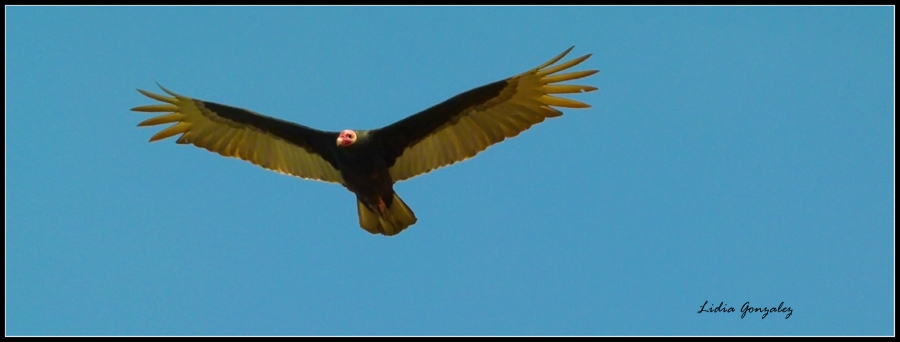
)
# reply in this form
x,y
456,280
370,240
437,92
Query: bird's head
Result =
x,y
346,138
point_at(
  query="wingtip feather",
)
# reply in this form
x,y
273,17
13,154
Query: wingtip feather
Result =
x,y
555,59
158,97
163,119
568,76
167,90
178,128
564,66
567,89
155,108
563,102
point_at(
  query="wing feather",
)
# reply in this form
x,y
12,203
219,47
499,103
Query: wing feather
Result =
x,y
479,136
273,144
567,77
490,128
465,125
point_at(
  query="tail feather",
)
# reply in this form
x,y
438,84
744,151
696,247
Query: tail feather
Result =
x,y
392,221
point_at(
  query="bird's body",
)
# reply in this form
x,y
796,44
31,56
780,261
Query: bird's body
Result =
x,y
366,174
369,162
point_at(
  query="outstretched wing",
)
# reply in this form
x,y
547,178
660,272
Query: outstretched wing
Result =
x,y
274,144
468,123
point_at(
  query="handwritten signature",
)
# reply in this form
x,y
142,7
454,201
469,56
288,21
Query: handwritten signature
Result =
x,y
747,308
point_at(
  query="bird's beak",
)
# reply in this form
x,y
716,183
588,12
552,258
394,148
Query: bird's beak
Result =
x,y
339,141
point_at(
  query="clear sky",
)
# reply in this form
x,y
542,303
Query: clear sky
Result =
x,y
732,154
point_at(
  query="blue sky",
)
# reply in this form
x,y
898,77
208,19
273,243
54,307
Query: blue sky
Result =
x,y
732,154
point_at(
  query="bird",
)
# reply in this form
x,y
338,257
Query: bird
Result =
x,y
369,162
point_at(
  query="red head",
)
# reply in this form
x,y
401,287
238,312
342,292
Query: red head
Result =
x,y
346,138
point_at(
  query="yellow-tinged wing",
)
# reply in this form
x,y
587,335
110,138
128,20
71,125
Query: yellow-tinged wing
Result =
x,y
274,144
468,123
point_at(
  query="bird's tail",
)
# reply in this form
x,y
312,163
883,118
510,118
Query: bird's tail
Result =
x,y
382,218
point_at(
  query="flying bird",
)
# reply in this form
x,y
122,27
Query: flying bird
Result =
x,y
369,162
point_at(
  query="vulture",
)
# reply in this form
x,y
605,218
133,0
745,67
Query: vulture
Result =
x,y
369,162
